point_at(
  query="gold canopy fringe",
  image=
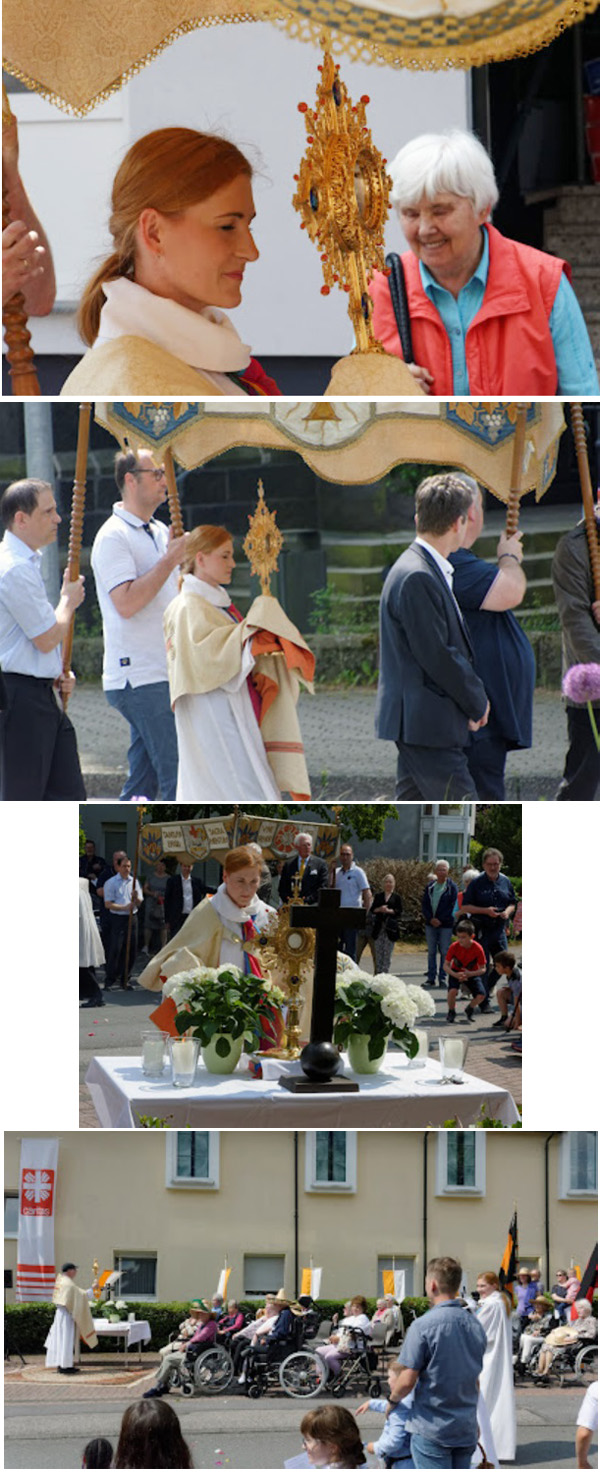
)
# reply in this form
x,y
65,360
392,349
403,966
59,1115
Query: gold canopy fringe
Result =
x,y
430,43
260,11
362,34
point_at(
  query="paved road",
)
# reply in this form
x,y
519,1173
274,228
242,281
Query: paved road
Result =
x,y
50,1431
116,1028
345,760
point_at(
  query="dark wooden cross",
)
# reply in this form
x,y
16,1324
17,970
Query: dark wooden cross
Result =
x,y
320,1059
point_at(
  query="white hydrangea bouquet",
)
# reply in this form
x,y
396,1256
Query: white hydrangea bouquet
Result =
x,y
226,1003
379,1007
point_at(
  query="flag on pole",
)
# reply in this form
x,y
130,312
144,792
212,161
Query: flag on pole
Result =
x,y
589,1281
36,1270
224,1277
508,1266
310,1282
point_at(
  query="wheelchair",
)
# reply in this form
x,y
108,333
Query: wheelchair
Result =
x,y
203,1371
285,1364
358,1371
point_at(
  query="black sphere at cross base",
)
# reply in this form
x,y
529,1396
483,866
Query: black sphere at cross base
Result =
x,y
320,1061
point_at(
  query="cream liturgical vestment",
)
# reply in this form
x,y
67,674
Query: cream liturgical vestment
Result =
x,y
73,1315
224,755
497,1380
211,936
157,348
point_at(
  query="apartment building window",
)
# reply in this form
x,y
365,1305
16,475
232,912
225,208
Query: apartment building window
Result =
x,y
460,1163
192,1159
578,1172
330,1163
263,1275
138,1272
11,1214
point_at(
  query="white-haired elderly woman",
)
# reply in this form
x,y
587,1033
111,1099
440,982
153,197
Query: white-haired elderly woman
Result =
x,y
582,1330
487,314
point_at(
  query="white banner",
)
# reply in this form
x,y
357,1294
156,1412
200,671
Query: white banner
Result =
x,y
36,1270
316,1278
399,1284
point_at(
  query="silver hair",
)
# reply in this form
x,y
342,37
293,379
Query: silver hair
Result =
x,y
307,836
581,1304
441,861
443,163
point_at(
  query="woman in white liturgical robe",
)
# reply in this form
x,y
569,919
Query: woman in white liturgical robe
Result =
x,y
237,730
497,1379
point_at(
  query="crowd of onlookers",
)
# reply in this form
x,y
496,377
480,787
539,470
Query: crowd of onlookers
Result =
x,y
466,930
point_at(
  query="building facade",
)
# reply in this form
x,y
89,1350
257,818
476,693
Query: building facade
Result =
x,y
165,1208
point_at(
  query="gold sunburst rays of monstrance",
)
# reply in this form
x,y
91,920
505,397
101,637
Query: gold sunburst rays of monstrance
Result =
x,y
343,197
289,953
263,543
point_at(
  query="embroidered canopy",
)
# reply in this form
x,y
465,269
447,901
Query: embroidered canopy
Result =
x,y
357,442
212,837
77,52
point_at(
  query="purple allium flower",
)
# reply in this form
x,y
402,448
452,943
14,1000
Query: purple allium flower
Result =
x,y
582,683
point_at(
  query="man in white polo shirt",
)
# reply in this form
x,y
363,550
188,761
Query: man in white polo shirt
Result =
x,y
134,559
354,885
38,749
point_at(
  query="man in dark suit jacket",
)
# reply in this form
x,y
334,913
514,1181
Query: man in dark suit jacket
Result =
x,y
175,913
429,697
314,872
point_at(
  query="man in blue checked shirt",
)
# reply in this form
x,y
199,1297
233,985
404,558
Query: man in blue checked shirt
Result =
x,y
441,1359
38,748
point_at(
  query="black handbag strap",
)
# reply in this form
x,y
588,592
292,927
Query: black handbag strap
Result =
x,y
400,305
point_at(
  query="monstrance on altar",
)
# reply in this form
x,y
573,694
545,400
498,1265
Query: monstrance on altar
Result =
x,y
288,951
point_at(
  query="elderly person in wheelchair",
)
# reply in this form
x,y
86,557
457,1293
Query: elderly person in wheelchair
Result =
x,y
581,1331
270,1347
202,1339
343,1339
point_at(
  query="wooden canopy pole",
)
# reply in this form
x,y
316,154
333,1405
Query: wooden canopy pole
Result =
x,y
173,494
19,352
587,493
76,528
513,505
140,815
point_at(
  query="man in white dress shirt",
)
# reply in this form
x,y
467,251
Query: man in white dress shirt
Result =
x,y
38,749
134,559
121,900
354,886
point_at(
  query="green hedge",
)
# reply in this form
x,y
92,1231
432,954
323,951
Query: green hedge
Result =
x,y
27,1324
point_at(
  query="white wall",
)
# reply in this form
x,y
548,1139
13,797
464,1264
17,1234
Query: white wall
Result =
x,y
245,81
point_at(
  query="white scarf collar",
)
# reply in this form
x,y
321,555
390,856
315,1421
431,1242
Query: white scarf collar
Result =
x,y
220,597
205,340
231,913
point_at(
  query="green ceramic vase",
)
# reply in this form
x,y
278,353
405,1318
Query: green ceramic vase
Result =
x,y
212,1060
358,1053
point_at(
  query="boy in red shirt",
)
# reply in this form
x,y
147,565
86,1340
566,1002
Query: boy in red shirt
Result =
x,y
465,965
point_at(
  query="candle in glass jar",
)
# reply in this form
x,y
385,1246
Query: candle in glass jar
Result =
x,y
184,1055
153,1055
453,1053
423,1040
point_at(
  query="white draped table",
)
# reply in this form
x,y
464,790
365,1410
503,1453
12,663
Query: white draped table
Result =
x,y
138,1332
395,1098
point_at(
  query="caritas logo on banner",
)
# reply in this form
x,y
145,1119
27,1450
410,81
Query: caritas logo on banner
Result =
x,y
35,1261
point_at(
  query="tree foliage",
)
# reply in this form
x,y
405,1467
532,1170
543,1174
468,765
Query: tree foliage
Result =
x,y
499,825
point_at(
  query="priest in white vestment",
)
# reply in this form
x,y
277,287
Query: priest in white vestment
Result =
x,y
72,1322
497,1376
234,684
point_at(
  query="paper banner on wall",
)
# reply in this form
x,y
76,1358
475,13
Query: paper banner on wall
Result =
x,y
224,1277
36,1269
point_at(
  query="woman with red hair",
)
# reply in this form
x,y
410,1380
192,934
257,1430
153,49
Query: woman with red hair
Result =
x,y
238,736
181,223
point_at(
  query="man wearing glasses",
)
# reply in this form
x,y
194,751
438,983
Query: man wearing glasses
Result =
x,y
134,559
